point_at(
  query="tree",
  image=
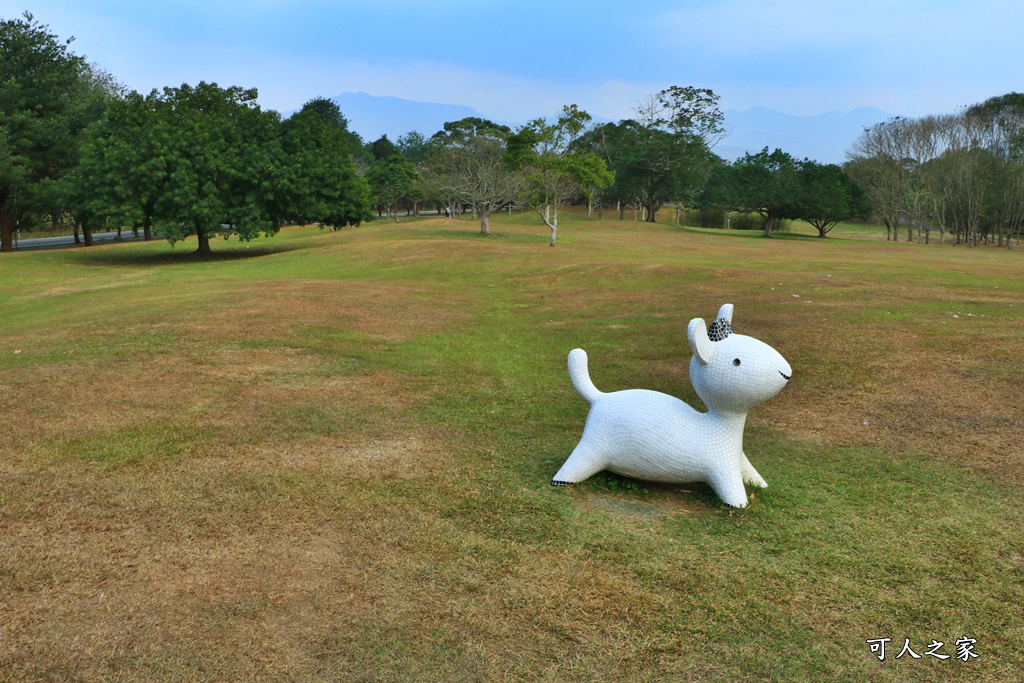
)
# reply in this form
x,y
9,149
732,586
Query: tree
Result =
x,y
415,147
391,180
227,169
42,116
382,148
964,172
471,166
1001,119
123,169
418,149
764,183
555,171
323,183
665,154
878,163
651,166
688,110
827,196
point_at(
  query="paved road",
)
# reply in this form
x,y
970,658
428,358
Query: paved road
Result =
x,y
65,240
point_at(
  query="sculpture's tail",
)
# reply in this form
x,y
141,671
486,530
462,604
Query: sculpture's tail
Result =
x,y
580,376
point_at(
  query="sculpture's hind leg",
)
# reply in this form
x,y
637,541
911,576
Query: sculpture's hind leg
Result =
x,y
584,462
750,475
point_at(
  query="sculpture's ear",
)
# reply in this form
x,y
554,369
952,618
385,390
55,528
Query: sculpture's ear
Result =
x,y
703,348
725,312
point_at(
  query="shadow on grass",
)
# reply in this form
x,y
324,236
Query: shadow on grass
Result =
x,y
133,257
751,234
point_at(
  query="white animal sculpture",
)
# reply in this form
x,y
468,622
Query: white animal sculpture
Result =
x,y
656,437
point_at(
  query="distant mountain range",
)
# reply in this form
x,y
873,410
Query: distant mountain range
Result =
x,y
372,116
824,138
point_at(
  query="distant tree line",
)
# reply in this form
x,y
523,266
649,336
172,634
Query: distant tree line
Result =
x,y
961,175
77,148
203,160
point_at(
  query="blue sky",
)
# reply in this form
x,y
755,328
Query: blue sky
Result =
x,y
518,60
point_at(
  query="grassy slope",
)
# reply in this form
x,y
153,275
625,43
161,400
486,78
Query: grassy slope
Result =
x,y
326,457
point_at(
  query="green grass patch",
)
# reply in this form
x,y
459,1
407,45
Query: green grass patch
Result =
x,y
137,444
327,456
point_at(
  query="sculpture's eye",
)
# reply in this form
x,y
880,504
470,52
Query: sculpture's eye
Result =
x,y
736,362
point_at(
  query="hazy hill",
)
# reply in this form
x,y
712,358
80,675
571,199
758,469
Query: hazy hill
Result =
x,y
824,138
372,116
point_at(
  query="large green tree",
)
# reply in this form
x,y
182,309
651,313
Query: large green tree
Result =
x,y
124,166
765,183
382,148
391,180
664,155
44,107
228,169
323,184
826,195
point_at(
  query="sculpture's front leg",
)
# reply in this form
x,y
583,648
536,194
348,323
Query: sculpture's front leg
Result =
x,y
728,484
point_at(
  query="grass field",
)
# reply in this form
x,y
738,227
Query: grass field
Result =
x,y
326,456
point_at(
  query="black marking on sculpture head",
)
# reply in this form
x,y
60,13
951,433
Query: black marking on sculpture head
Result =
x,y
719,330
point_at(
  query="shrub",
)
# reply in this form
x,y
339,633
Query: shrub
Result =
x,y
717,218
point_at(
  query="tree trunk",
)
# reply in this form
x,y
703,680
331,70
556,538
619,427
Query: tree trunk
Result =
x,y
622,211
204,240
87,234
485,227
768,225
147,228
6,233
74,231
551,223
651,209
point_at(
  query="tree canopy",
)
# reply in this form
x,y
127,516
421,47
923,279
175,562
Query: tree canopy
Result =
x,y
227,168
391,180
46,102
324,185
826,195
555,169
471,166
764,183
664,154
960,173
